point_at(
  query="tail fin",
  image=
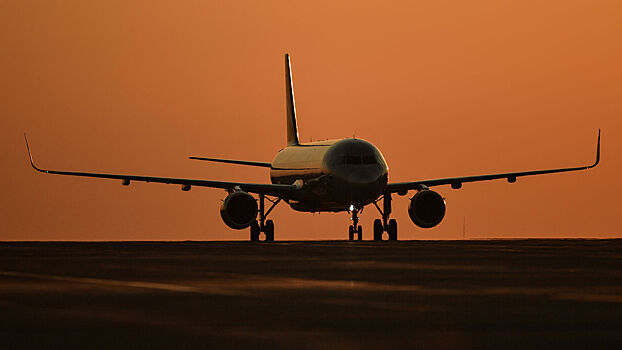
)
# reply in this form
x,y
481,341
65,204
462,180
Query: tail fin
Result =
x,y
292,126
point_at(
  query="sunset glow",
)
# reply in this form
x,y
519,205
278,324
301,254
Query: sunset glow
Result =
x,y
443,89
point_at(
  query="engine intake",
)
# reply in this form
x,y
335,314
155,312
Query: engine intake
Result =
x,y
426,209
239,210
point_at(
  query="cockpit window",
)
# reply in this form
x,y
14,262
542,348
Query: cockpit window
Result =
x,y
353,160
369,160
358,160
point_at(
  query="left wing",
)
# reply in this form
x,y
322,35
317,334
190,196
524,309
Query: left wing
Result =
x,y
456,182
281,191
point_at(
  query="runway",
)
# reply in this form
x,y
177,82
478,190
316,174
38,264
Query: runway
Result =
x,y
370,295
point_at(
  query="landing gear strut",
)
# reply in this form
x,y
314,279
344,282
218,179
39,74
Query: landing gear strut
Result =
x,y
265,226
355,228
385,225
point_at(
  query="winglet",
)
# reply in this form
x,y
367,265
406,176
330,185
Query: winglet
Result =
x,y
32,163
597,152
292,127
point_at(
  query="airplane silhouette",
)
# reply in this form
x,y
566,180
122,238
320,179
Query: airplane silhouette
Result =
x,y
324,176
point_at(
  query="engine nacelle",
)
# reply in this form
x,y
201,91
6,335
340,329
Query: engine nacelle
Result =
x,y
239,210
426,209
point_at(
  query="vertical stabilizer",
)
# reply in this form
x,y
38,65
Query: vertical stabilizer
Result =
x,y
292,126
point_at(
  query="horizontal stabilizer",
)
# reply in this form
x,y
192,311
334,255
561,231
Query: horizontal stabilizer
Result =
x,y
231,161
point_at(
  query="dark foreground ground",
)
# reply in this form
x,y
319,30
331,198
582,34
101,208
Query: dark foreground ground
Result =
x,y
560,294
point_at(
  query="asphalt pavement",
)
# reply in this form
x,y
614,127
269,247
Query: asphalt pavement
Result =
x,y
501,294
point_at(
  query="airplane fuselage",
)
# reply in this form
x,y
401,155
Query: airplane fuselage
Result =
x,y
335,174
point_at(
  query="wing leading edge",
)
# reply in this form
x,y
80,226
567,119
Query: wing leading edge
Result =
x,y
456,182
281,191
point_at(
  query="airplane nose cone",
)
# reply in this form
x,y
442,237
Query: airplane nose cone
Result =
x,y
363,177
365,185
357,170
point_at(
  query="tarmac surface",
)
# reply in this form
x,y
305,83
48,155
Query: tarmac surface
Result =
x,y
500,294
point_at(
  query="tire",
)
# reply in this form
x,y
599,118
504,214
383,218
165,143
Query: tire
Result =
x,y
378,229
351,233
255,231
360,230
269,230
392,229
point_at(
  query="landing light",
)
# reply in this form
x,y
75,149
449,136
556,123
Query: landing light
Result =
x,y
351,207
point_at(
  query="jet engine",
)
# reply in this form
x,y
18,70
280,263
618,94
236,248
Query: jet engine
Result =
x,y
239,210
426,208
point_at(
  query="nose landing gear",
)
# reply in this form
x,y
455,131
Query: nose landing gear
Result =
x,y
355,228
385,225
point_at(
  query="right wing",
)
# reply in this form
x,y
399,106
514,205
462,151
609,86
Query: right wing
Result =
x,y
281,191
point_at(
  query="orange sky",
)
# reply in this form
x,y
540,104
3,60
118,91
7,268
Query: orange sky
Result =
x,y
443,88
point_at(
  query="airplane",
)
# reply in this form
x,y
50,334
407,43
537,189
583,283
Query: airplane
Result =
x,y
343,175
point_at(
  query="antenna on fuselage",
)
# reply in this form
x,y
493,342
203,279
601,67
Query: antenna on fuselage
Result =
x,y
292,126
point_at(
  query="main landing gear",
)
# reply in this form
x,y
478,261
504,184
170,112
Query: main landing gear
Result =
x,y
355,228
265,226
385,225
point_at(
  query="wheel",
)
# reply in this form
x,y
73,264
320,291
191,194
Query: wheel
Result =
x,y
392,230
255,231
360,231
351,233
269,230
378,229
